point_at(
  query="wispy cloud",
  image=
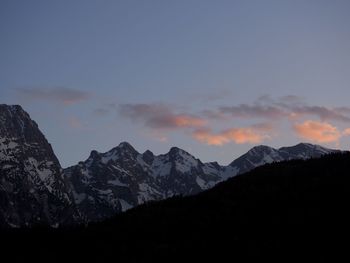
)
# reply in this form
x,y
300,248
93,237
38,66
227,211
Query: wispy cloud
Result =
x,y
292,107
325,114
253,111
159,116
66,96
346,132
252,135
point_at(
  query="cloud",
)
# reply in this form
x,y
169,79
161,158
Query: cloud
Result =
x,y
252,135
320,132
325,114
291,107
344,110
288,109
183,120
206,136
159,116
245,111
291,99
346,132
66,96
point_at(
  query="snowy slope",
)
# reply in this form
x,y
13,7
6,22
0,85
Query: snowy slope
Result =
x,y
32,188
112,182
261,155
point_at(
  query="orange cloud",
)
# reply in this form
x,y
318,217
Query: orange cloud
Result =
x,y
207,137
188,121
346,132
320,132
160,116
237,135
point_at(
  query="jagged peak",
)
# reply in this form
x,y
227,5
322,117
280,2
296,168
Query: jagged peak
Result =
x,y
94,154
261,148
122,147
148,153
176,150
14,107
125,146
14,111
148,156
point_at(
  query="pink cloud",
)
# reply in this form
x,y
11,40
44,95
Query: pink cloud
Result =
x,y
253,134
320,132
183,120
346,132
206,136
164,118
159,116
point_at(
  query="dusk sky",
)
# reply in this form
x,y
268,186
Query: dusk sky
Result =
x,y
214,78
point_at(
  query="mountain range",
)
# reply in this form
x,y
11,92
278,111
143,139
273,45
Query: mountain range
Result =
x,y
288,211
34,189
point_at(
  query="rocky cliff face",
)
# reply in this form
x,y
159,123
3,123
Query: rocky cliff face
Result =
x,y
32,189
122,178
111,182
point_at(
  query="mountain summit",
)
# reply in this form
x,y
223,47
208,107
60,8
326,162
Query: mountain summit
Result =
x,y
260,155
122,178
112,182
32,188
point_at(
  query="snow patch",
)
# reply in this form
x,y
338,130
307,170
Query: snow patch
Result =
x,y
161,167
125,205
201,183
116,182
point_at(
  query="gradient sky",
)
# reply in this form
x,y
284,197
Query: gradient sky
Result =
x,y
212,77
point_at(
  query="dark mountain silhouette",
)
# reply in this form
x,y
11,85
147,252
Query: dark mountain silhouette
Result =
x,y
288,211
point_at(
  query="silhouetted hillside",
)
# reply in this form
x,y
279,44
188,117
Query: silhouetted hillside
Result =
x,y
295,210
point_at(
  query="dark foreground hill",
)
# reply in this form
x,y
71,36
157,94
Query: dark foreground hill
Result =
x,y
287,211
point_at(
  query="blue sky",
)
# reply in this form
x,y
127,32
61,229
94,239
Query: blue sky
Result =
x,y
212,77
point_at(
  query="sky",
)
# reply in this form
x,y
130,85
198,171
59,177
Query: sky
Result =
x,y
214,78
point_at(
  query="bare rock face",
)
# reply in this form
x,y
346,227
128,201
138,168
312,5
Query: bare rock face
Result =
x,y
32,188
122,178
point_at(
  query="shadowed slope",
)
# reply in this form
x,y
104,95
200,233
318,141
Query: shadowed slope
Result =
x,y
279,212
